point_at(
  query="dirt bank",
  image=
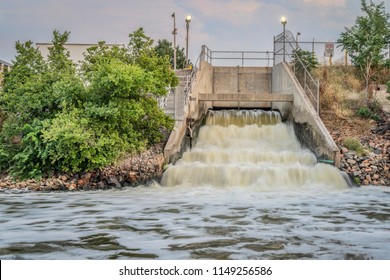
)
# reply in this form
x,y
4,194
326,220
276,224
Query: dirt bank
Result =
x,y
371,167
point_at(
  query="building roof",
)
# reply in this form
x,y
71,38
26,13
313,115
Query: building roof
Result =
x,y
5,63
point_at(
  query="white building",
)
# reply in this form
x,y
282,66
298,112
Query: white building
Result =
x,y
76,50
4,66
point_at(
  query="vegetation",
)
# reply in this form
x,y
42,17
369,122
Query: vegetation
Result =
x,y
367,40
59,118
164,48
354,145
304,59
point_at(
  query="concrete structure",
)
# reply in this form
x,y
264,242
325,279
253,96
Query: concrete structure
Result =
x,y
308,126
76,50
274,88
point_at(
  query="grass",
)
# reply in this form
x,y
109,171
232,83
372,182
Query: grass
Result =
x,y
345,107
354,145
340,90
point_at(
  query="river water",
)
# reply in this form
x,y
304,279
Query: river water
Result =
x,y
247,190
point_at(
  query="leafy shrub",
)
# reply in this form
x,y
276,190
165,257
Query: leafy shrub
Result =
x,y
354,145
59,119
372,111
72,145
364,112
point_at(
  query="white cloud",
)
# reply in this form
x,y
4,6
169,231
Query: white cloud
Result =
x,y
337,3
234,12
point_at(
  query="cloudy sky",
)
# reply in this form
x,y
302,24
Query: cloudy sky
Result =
x,y
219,24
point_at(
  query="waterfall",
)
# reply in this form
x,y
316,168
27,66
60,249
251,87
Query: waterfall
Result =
x,y
250,148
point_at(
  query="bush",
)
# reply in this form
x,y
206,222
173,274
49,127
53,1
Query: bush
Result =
x,y
58,120
71,145
364,112
354,145
371,112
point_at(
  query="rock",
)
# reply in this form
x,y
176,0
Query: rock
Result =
x,y
81,182
100,185
113,181
344,150
22,185
71,187
87,176
133,176
351,161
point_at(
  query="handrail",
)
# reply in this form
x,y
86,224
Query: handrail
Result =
x,y
309,84
242,56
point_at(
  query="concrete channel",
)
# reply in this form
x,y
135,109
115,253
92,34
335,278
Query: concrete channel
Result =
x,y
269,88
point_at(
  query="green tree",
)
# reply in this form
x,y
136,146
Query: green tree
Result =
x,y
102,53
304,60
140,44
366,41
24,85
59,57
165,48
60,119
144,55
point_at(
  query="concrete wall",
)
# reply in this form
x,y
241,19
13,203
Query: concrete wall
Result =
x,y
203,83
241,80
195,110
308,126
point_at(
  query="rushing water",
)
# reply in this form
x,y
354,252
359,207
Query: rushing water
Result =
x,y
246,191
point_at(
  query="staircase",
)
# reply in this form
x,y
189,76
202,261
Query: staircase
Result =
x,y
174,103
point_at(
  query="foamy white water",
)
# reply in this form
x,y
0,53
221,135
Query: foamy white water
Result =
x,y
265,199
250,149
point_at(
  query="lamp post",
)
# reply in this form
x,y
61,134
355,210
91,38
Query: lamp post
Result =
x,y
174,32
188,20
283,20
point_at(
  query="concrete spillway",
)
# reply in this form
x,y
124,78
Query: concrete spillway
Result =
x,y
250,149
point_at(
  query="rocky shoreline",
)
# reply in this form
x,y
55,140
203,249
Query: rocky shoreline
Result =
x,y
133,171
374,167
370,169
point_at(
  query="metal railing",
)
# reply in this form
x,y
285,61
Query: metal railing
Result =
x,y
285,49
241,58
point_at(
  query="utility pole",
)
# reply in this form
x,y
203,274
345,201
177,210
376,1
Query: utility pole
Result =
x,y
174,32
188,20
